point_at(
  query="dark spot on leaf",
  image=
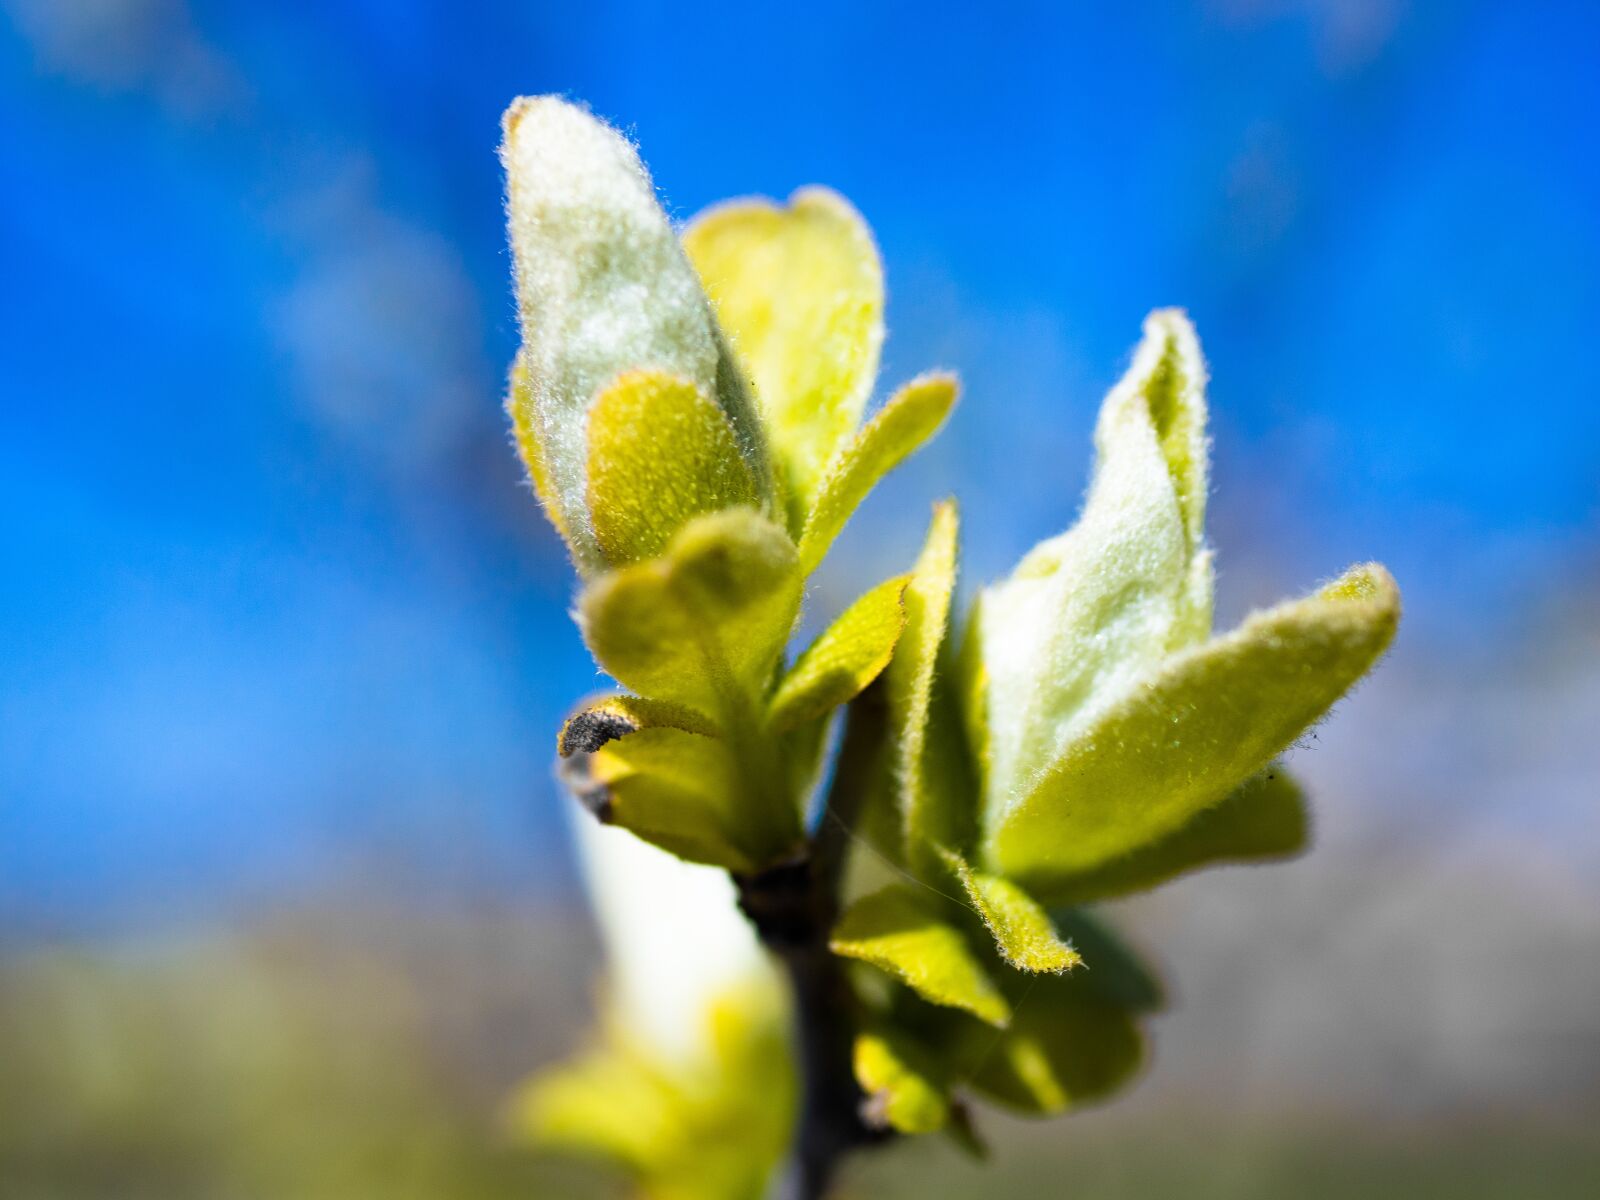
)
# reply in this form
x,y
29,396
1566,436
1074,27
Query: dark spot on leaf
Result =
x,y
591,729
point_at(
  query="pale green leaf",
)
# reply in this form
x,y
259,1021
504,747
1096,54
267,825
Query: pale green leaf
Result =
x,y
1022,929
906,933
800,291
702,625
660,453
603,287
1180,739
1261,820
903,1092
1064,1048
845,658
1091,611
912,416
524,426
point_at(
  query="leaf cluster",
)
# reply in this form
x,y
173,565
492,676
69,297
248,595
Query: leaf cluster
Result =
x,y
692,413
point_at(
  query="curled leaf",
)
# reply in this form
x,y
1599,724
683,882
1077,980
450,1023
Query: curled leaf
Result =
x,y
603,287
1089,612
1179,740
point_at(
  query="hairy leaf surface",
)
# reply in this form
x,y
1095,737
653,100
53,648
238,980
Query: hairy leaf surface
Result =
x,y
912,416
1180,740
1087,614
603,287
703,624
1262,820
844,659
1021,927
905,932
660,454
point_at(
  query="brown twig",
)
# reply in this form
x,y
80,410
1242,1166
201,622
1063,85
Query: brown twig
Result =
x,y
793,907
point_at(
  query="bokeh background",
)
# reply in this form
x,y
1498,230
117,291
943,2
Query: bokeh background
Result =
x,y
286,906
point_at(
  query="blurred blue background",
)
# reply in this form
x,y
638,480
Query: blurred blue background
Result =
x,y
280,620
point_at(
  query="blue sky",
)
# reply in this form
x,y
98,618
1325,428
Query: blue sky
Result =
x,y
275,607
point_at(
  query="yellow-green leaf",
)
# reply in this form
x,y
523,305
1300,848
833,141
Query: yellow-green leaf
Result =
x,y
1262,820
676,790
660,453
603,286
1064,1048
1022,929
906,933
934,790
1174,390
903,1092
702,625
1088,613
800,290
846,656
1182,738
912,416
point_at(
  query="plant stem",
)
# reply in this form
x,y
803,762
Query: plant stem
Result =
x,y
793,907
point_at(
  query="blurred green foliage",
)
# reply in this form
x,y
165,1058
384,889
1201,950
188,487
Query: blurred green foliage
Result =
x,y
282,1066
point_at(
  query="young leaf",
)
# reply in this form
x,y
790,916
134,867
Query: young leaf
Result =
x,y
1064,1048
905,932
800,290
1021,928
660,453
1174,388
910,418
679,791
524,427
1087,614
703,624
1261,820
603,287
903,1091
932,790
844,659
1181,739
